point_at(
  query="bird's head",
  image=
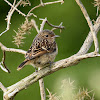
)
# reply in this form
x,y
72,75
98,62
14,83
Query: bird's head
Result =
x,y
48,34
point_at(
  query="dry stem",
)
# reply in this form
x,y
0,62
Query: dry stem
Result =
x,y
54,26
15,7
40,5
3,88
10,15
3,62
24,83
42,88
90,24
12,49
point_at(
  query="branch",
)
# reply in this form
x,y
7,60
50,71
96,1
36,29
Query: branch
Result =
x,y
3,62
89,39
90,24
11,11
24,83
4,48
43,4
42,89
42,24
4,69
11,49
15,7
2,87
54,26
35,26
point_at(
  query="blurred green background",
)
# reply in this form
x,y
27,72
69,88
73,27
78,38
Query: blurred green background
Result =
x,y
86,74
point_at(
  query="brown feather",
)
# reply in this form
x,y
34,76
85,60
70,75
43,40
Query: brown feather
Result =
x,y
22,65
43,43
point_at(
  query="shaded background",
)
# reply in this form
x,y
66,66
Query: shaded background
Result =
x,y
86,74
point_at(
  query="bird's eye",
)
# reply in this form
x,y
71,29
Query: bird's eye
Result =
x,y
46,35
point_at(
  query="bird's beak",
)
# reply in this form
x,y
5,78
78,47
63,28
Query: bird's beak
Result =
x,y
56,36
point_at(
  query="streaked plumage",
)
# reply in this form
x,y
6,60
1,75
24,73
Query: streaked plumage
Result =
x,y
42,51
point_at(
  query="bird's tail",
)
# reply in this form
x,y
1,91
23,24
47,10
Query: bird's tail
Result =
x,y
22,65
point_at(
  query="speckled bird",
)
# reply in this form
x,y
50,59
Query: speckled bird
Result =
x,y
42,51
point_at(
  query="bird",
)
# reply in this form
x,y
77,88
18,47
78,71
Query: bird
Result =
x,y
42,52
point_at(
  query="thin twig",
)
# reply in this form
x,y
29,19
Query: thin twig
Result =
x,y
89,39
10,15
40,5
4,89
3,61
41,2
11,49
4,32
42,24
54,26
90,24
42,89
5,70
14,7
35,25
59,27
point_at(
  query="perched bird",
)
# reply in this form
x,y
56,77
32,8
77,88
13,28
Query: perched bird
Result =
x,y
42,51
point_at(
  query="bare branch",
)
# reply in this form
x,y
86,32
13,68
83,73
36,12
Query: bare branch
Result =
x,y
42,89
90,24
3,62
2,87
54,26
40,5
4,32
42,24
12,49
10,14
41,2
11,11
35,26
24,83
5,70
88,41
15,7
52,96
59,27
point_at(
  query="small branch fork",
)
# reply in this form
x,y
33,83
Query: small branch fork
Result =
x,y
90,24
12,90
43,4
44,21
14,8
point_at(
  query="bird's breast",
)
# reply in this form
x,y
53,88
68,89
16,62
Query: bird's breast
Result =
x,y
45,59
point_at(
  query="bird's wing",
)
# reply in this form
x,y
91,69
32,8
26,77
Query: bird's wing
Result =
x,y
38,49
33,55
